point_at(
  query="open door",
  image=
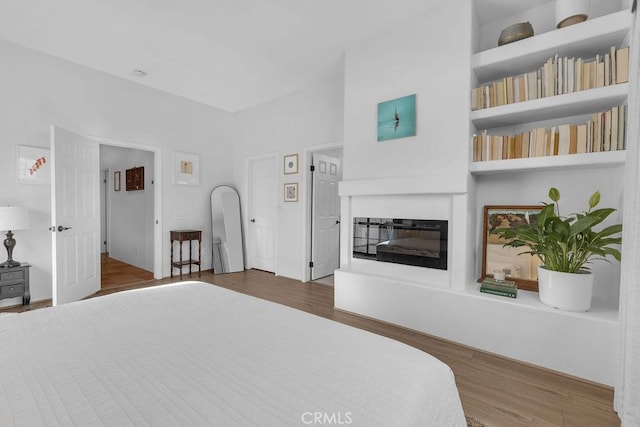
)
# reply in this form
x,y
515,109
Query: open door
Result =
x,y
325,213
75,215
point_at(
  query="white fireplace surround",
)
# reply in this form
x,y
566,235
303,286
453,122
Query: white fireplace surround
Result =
x,y
447,303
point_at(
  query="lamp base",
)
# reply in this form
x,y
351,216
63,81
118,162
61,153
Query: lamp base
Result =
x,y
10,263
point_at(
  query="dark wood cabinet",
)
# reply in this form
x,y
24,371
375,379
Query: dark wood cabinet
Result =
x,y
182,236
14,283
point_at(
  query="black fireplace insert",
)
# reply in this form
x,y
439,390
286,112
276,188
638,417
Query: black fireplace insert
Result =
x,y
420,242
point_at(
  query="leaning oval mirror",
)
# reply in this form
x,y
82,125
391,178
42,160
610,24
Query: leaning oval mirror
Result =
x,y
227,251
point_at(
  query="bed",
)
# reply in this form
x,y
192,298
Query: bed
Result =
x,y
196,354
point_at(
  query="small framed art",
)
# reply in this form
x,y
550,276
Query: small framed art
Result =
x,y
33,165
397,118
291,164
116,181
291,192
186,168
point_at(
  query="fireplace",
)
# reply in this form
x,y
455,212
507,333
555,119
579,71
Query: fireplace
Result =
x,y
418,242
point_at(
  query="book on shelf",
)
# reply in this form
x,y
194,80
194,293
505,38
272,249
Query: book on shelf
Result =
x,y
502,293
489,281
605,131
556,76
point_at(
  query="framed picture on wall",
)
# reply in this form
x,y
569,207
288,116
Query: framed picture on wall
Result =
x,y
33,165
186,168
397,118
291,164
291,192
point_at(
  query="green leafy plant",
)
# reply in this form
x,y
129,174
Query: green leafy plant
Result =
x,y
566,244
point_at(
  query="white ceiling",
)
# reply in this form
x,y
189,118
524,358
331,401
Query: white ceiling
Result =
x,y
228,54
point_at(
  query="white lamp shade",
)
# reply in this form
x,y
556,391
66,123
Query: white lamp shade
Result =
x,y
13,218
570,8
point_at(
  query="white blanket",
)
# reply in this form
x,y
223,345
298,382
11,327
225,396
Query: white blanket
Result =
x,y
196,354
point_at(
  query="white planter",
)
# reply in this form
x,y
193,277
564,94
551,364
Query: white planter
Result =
x,y
565,291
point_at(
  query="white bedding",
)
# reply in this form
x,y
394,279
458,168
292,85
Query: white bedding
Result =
x,y
196,354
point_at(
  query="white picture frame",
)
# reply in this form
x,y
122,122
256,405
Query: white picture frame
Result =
x,y
291,192
33,165
291,164
186,168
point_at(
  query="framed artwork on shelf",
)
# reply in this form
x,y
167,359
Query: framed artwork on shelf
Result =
x,y
291,192
397,118
33,165
509,262
116,181
291,164
186,169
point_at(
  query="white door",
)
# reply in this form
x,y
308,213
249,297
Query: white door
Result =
x,y
325,216
75,214
263,214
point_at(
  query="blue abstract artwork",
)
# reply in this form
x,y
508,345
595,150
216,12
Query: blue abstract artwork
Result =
x,y
397,118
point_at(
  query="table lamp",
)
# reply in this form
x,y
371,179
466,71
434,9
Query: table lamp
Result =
x,y
12,218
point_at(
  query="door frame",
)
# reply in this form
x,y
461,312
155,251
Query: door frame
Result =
x,y
246,214
307,199
157,193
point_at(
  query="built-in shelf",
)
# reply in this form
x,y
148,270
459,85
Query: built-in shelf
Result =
x,y
581,40
570,104
531,301
533,164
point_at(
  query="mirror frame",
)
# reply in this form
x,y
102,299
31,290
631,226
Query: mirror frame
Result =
x,y
524,284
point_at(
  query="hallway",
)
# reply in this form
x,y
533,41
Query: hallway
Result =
x,y
116,273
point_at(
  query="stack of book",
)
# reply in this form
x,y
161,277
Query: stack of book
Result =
x,y
604,132
557,76
505,288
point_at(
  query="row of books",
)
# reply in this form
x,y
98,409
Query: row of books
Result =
x,y
604,132
505,288
558,75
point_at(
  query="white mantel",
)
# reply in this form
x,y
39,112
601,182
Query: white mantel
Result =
x,y
428,184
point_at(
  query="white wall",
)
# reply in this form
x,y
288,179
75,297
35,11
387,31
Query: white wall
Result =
x,y
39,90
284,126
131,213
429,57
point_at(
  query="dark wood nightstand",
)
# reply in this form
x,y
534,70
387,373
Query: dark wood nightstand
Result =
x,y
184,236
14,282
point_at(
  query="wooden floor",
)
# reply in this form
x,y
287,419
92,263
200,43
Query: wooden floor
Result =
x,y
496,391
116,273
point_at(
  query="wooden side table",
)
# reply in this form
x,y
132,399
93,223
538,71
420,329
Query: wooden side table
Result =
x,y
186,236
14,282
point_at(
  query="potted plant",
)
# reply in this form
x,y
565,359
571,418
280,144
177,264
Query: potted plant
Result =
x,y
566,245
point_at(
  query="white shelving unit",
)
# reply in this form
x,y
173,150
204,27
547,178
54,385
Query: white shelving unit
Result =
x,y
504,181
582,40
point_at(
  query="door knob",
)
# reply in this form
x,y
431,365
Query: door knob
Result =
x,y
337,221
61,228
253,220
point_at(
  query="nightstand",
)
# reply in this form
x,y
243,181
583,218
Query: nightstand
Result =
x,y
186,236
14,282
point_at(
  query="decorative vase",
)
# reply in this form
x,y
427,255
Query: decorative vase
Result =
x,y
565,291
569,12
